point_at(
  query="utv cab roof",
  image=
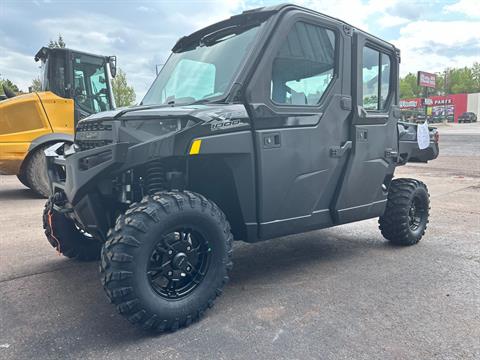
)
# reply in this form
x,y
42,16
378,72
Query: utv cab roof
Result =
x,y
253,17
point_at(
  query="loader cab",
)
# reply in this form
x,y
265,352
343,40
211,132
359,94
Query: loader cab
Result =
x,y
80,76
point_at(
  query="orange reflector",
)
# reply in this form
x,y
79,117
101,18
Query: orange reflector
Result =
x,y
195,149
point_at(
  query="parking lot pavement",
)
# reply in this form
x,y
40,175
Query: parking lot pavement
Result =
x,y
341,293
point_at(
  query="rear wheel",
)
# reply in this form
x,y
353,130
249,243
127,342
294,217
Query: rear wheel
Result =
x,y
65,236
406,215
35,173
167,259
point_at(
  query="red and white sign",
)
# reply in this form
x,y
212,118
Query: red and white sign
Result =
x,y
426,79
455,103
427,102
409,104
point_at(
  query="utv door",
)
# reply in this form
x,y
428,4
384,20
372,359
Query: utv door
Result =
x,y
362,192
299,100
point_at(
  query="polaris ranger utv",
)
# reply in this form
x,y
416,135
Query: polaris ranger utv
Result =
x,y
276,121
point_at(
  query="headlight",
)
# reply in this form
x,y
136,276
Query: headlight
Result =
x,y
157,127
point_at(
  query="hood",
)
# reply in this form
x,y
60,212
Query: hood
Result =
x,y
205,113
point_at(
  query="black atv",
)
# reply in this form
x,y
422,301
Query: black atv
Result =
x,y
276,121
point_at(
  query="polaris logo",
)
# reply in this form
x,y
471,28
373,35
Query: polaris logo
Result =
x,y
88,135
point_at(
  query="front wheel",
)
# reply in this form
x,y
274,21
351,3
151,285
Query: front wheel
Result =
x,y
167,260
406,215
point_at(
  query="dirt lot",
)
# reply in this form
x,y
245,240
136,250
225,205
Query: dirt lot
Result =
x,y
341,293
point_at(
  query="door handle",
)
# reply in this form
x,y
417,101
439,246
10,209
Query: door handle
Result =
x,y
339,151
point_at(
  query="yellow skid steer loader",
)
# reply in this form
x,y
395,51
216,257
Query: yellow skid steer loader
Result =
x,y
74,85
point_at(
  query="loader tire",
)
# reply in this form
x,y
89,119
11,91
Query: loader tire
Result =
x,y
21,177
167,259
36,177
406,215
66,237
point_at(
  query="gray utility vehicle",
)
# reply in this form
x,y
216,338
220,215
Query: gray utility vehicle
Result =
x,y
276,121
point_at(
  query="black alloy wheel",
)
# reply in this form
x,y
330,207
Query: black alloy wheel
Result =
x,y
178,263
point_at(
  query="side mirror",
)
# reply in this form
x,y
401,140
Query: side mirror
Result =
x,y
112,61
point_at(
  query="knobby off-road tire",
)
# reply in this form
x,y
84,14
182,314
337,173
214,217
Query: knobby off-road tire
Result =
x,y
152,245
66,237
35,172
406,216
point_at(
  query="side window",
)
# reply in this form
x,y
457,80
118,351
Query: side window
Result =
x,y
90,84
99,88
304,66
376,79
57,76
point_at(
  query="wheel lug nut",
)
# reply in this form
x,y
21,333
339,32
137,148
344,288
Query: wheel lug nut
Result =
x,y
170,273
188,248
170,252
188,268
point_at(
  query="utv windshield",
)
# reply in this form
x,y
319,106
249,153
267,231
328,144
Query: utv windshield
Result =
x,y
202,71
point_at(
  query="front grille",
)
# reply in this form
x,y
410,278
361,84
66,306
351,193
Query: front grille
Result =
x,y
93,126
91,144
93,134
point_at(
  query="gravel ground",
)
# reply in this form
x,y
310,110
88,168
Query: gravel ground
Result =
x,y
340,293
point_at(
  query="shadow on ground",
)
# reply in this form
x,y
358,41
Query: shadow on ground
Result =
x,y
18,194
74,296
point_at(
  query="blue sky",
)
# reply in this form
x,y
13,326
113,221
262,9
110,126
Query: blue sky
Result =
x,y
431,34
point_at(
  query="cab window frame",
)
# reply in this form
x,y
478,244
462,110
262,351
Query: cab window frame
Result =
x,y
391,91
335,75
87,58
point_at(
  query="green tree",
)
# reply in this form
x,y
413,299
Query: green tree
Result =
x,y
409,87
123,93
36,84
476,75
9,84
59,43
461,81
449,81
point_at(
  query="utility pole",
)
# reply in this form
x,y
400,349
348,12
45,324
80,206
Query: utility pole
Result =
x,y
426,101
445,87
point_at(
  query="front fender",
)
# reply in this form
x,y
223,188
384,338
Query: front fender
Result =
x,y
49,138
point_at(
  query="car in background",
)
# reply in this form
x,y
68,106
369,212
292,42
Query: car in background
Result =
x,y
467,117
420,118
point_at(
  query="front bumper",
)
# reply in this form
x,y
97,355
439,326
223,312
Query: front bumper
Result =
x,y
69,174
72,173
86,177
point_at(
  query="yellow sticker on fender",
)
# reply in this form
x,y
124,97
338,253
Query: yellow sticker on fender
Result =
x,y
195,149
